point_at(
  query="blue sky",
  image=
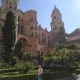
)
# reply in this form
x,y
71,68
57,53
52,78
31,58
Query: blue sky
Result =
x,y
70,10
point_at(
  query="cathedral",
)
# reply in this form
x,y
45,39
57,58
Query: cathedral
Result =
x,y
36,39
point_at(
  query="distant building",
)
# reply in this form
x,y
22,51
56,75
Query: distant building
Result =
x,y
74,37
36,39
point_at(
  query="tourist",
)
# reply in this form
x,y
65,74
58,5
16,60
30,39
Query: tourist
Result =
x,y
40,72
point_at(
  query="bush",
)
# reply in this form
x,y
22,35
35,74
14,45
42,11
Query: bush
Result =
x,y
23,68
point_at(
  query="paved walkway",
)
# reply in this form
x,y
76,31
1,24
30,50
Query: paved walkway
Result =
x,y
70,78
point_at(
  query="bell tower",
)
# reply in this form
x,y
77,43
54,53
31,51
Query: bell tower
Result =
x,y
56,24
10,5
56,20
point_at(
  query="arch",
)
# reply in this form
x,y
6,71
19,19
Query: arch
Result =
x,y
18,18
24,41
20,29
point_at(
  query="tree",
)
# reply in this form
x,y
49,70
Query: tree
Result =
x,y
9,36
18,49
61,35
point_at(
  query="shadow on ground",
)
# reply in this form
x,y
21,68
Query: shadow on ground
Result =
x,y
73,77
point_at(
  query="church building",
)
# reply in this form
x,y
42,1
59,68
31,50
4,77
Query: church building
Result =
x,y
36,39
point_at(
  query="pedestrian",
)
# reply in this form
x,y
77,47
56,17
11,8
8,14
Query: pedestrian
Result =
x,y
40,72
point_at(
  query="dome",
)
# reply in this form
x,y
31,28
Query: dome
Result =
x,y
56,10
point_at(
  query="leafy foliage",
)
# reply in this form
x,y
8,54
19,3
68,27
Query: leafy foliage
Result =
x,y
63,57
27,57
18,49
23,67
61,35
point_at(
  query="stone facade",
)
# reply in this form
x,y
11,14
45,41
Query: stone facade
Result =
x,y
74,37
36,38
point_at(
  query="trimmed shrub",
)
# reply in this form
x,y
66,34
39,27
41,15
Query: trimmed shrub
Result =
x,y
8,70
20,77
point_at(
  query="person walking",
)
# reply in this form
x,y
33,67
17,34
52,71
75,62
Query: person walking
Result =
x,y
40,72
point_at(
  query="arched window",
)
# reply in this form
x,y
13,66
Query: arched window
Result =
x,y
22,20
21,29
31,27
35,28
36,33
55,28
54,17
10,4
32,35
32,19
15,7
48,40
18,18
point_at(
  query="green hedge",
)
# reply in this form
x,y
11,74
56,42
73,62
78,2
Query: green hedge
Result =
x,y
8,70
20,77
10,73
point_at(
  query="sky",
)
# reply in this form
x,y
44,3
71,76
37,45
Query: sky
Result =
x,y
70,10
